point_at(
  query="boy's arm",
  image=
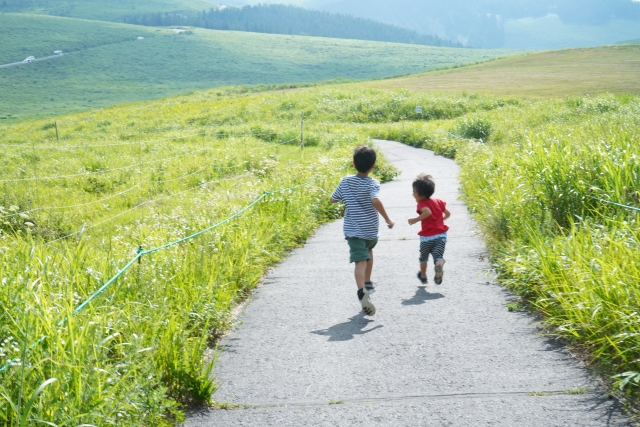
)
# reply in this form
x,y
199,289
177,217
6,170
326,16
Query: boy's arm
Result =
x,y
447,214
332,200
424,214
377,204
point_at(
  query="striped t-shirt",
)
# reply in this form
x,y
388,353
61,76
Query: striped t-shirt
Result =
x,y
360,217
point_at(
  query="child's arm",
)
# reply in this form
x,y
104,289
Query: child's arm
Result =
x,y
424,214
377,204
447,214
332,200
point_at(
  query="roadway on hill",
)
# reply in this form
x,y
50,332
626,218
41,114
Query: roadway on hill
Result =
x,y
447,355
13,64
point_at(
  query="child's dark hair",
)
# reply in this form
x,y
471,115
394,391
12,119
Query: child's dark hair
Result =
x,y
364,158
424,185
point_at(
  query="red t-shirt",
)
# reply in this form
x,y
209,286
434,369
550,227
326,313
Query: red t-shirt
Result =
x,y
433,225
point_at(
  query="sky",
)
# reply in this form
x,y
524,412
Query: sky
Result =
x,y
520,24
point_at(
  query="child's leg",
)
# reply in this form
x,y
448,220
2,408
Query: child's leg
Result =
x,y
369,269
438,256
423,269
424,257
360,273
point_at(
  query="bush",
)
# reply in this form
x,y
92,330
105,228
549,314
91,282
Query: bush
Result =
x,y
474,128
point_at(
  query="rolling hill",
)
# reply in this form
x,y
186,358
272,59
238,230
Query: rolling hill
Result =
x,y
556,74
116,67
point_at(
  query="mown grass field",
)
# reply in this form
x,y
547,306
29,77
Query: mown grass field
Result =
x,y
555,74
113,10
164,63
76,208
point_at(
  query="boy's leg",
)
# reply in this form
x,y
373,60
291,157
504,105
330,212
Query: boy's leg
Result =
x,y
367,273
359,256
423,269
438,256
360,272
424,257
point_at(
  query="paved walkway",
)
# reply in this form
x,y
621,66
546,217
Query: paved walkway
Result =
x,y
448,355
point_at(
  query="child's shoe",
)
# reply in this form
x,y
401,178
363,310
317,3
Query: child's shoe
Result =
x,y
369,288
423,280
438,277
368,308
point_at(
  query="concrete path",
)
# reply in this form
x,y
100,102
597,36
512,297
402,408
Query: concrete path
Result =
x,y
447,355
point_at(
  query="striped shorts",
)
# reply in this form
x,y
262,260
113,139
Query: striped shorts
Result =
x,y
434,247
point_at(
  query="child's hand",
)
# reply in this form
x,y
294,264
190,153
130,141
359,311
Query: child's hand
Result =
x,y
412,221
390,224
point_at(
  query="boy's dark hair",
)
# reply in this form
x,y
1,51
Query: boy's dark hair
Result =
x,y
364,157
424,185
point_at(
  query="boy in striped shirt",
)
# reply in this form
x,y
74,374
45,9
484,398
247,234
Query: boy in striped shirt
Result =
x,y
360,195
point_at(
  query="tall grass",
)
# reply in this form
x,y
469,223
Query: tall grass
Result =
x,y
541,194
538,184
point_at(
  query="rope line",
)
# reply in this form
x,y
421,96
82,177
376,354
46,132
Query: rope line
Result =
x,y
54,177
615,204
83,228
75,206
233,135
141,253
102,172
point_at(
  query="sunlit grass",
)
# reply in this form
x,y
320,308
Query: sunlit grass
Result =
x,y
146,174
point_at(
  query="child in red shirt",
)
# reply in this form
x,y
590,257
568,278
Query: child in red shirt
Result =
x,y
433,235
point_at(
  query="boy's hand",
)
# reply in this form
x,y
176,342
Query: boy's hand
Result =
x,y
412,221
390,223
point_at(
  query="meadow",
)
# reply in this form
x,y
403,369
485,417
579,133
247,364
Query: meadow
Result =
x,y
552,183
117,68
554,74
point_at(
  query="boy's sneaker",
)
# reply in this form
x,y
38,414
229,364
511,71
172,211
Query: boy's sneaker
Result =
x,y
423,280
438,277
369,288
368,308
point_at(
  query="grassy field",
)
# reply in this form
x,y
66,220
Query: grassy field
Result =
x,y
53,33
76,207
556,74
114,71
113,10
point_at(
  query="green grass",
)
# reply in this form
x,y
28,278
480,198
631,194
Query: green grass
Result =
x,y
530,184
113,10
165,63
539,185
53,33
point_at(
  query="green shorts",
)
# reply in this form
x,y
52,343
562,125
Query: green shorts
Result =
x,y
359,248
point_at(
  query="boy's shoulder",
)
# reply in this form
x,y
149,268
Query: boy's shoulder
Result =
x,y
356,178
431,202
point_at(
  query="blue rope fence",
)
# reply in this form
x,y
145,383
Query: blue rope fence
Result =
x,y
141,252
615,204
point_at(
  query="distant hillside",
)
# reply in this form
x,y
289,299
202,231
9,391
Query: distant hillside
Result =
x,y
531,24
117,67
556,74
281,19
109,10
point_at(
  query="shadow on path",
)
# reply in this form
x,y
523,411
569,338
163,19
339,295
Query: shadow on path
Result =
x,y
421,297
348,330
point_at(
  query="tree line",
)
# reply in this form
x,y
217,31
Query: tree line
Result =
x,y
283,19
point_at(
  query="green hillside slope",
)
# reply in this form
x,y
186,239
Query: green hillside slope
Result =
x,y
112,10
166,63
38,35
555,74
